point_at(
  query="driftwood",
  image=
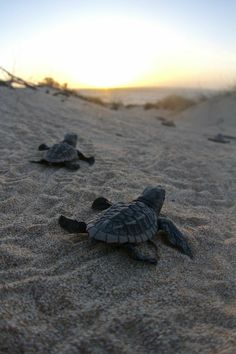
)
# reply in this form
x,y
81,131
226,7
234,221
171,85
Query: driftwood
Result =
x,y
15,79
6,83
58,91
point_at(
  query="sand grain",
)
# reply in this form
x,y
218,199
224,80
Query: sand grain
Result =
x,y
61,296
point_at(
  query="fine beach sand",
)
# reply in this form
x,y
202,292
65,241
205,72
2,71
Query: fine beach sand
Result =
x,y
62,296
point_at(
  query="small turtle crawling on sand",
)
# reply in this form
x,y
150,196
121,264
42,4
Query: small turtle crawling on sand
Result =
x,y
168,123
130,224
64,154
219,138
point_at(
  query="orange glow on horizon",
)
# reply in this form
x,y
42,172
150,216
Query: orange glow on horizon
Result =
x,y
103,53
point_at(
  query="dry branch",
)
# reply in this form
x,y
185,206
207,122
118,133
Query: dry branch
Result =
x,y
16,80
6,83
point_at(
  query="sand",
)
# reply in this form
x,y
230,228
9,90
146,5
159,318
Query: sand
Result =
x,y
62,296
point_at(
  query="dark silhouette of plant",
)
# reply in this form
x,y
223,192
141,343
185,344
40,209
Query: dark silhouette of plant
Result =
x,y
50,82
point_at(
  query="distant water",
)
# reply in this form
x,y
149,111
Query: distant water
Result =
x,y
142,95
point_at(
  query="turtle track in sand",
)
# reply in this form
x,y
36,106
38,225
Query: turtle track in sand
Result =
x,y
60,296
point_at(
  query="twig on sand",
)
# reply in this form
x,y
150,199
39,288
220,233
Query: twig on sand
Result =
x,y
16,80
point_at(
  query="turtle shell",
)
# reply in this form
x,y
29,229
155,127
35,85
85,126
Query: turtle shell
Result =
x,y
61,152
131,222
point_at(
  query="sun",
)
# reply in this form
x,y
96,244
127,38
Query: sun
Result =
x,y
103,53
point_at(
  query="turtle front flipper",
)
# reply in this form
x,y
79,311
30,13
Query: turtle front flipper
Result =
x,y
173,237
72,165
136,254
72,226
90,160
42,161
43,147
101,203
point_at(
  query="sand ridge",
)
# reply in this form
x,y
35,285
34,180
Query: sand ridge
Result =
x,y
62,296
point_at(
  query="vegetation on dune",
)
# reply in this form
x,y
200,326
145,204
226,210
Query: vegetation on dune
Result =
x,y
115,105
49,82
172,103
228,92
64,90
132,105
92,99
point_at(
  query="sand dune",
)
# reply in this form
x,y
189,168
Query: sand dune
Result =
x,y
62,296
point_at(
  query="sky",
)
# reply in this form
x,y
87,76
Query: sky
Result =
x,y
91,43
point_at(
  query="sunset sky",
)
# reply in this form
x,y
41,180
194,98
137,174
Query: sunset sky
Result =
x,y
121,43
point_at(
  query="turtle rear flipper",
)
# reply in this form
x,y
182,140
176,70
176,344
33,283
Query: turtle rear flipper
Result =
x,y
173,237
72,226
136,252
217,140
101,203
43,147
72,165
90,160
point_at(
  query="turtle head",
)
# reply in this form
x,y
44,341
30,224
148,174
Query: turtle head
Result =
x,y
71,139
153,197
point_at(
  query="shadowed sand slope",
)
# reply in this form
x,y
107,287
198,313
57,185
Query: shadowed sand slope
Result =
x,y
62,296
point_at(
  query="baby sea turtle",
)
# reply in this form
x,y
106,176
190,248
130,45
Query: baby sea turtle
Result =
x,y
168,123
64,153
130,224
219,138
